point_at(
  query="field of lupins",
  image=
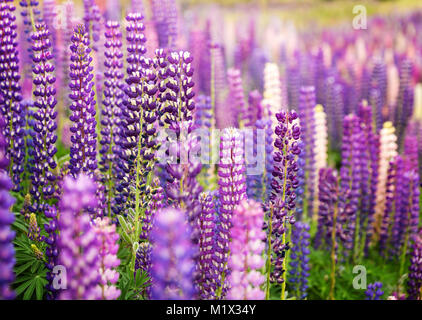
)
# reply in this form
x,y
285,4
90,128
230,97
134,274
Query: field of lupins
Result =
x,y
151,150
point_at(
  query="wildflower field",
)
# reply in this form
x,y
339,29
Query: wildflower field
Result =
x,y
200,150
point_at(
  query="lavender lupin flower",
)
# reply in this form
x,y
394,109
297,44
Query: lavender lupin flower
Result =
x,y
374,292
350,182
78,243
43,178
83,151
299,263
246,250
207,273
10,93
307,103
112,110
7,251
172,257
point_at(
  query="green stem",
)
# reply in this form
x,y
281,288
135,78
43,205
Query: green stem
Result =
x,y
268,268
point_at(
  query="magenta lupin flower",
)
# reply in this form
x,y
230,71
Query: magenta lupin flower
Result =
x,y
246,249
79,244
108,238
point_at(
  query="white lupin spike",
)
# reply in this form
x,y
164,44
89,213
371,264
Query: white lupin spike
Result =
x,y
388,150
321,148
272,88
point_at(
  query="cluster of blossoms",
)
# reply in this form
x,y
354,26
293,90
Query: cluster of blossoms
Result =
x,y
43,178
373,291
283,194
84,138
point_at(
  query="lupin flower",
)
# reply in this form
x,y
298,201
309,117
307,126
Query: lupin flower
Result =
x,y
334,110
7,251
207,273
265,124
246,249
350,182
172,257
108,246
34,232
232,190
272,88
112,110
373,291
83,151
51,251
370,159
321,147
299,263
283,196
50,19
10,93
183,167
414,284
236,98
37,252
388,150
307,103
378,92
404,108
78,243
43,178
132,112
164,14
29,11
143,263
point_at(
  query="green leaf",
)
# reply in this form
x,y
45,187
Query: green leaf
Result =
x,y
30,290
23,286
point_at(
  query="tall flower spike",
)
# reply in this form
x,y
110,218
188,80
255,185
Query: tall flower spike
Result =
x,y
350,181
232,190
108,238
246,249
112,110
79,245
283,196
10,93
208,275
7,252
172,257
307,102
388,150
131,131
272,88
83,150
236,98
370,159
43,178
321,149
299,263
30,15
